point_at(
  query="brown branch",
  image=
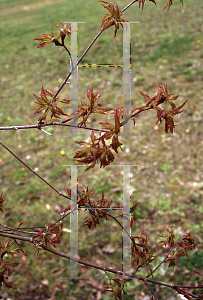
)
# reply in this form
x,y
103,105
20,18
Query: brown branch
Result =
x,y
92,265
88,264
73,68
129,5
31,170
39,126
146,283
164,258
16,236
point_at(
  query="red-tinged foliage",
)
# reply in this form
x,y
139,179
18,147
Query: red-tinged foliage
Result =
x,y
100,150
141,254
116,285
162,96
133,217
134,207
86,109
63,31
187,243
143,1
6,248
167,115
90,153
48,103
97,210
97,150
115,143
5,271
6,267
169,239
52,234
118,124
180,248
198,273
47,39
114,18
113,129
170,2
2,199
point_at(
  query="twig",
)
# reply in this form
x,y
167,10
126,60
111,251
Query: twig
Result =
x,y
146,283
86,263
49,124
129,5
164,259
79,60
51,186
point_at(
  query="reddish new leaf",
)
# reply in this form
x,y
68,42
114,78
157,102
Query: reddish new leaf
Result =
x,y
168,116
198,273
63,31
86,109
134,207
2,199
48,103
114,18
116,143
46,39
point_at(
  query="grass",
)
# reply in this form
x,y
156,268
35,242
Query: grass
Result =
x,y
166,46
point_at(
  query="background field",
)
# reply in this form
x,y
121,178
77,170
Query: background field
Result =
x,y
167,46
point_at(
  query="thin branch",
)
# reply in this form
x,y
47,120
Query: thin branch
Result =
x,y
39,126
144,279
146,283
85,52
79,60
20,160
164,258
16,236
114,217
129,5
68,53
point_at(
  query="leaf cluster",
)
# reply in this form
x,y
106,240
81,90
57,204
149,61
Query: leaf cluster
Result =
x,y
178,249
97,150
141,254
162,96
86,109
116,286
7,266
97,210
46,39
48,103
52,234
101,149
114,18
